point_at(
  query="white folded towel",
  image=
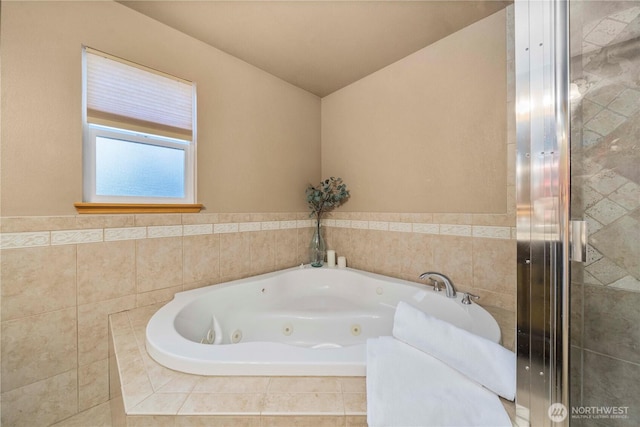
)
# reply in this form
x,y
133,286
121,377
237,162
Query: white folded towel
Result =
x,y
408,388
476,357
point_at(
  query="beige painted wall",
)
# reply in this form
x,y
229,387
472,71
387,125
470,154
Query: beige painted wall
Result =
x,y
258,137
427,133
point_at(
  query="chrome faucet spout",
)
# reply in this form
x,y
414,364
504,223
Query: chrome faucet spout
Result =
x,y
450,290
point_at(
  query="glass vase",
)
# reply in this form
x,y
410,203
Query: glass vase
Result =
x,y
317,248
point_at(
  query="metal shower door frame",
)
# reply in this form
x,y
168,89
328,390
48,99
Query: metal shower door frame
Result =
x,y
542,199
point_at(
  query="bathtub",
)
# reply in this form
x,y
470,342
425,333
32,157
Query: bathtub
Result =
x,y
300,321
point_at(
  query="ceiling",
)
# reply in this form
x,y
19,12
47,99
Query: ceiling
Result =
x,y
320,46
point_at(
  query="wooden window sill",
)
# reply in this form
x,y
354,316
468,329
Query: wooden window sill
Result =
x,y
134,208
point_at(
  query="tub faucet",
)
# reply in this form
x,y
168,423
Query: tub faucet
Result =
x,y
450,290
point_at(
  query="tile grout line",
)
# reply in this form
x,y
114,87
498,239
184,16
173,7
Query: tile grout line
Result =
x,y
609,356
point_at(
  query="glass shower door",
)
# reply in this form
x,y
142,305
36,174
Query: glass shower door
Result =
x,y
605,192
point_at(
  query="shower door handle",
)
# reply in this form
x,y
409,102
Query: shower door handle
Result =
x,y
578,241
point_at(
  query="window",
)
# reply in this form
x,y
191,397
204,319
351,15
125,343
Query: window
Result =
x,y
139,139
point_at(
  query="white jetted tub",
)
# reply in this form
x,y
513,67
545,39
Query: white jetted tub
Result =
x,y
300,321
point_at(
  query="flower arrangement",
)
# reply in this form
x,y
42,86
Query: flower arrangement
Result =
x,y
326,196
322,198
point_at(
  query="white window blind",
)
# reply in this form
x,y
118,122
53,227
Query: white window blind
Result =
x,y
139,133
129,96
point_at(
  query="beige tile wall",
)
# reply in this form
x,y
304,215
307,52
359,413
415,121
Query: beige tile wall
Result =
x,y
63,276
476,251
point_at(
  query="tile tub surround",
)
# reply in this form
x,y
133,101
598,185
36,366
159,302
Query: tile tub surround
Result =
x,y
62,276
68,273
477,251
142,390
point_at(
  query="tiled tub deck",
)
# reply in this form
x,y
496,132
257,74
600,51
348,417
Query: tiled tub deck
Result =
x,y
144,393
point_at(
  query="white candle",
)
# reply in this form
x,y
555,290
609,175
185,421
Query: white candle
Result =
x,y
342,262
331,258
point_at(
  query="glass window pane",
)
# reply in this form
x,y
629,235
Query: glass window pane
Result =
x,y
126,168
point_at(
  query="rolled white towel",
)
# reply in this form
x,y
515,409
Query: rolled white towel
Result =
x,y
479,359
408,388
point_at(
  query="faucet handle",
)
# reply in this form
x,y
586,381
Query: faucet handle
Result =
x,y
467,296
440,280
437,286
